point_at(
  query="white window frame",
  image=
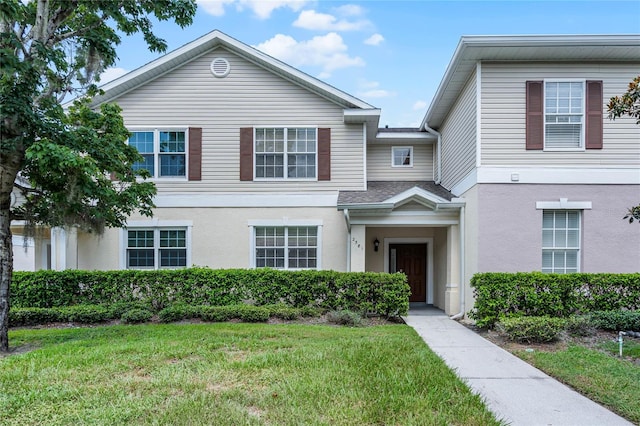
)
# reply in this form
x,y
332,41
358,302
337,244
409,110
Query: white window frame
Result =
x,y
285,223
555,248
156,149
156,226
394,148
285,154
583,115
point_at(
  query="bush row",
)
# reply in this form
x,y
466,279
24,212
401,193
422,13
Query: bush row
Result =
x,y
556,295
375,293
131,313
541,329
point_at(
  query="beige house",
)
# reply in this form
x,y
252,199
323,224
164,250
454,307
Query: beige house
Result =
x,y
515,168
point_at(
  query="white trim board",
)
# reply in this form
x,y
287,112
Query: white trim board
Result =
x,y
247,200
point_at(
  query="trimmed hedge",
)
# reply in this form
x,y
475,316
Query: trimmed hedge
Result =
x,y
555,295
367,292
532,329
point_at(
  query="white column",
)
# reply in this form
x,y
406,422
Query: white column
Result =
x,y
452,298
71,249
358,244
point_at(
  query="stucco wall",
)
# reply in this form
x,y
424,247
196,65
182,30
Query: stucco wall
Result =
x,y
221,236
510,227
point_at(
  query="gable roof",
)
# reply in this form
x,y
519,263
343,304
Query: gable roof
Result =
x,y
393,194
529,48
215,39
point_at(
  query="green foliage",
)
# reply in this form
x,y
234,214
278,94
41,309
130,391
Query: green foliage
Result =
x,y
244,313
345,317
376,293
531,329
178,312
19,317
283,311
616,320
117,309
628,103
579,325
556,295
633,214
136,315
86,314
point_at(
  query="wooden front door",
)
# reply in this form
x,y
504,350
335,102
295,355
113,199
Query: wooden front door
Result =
x,y
412,260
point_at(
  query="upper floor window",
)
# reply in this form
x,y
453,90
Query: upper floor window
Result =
x,y
285,153
564,115
560,241
154,248
164,152
402,156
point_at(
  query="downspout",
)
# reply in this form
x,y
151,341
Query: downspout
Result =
x,y
348,221
462,284
438,152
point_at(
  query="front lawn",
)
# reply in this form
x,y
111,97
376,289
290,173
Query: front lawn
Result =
x,y
597,373
231,374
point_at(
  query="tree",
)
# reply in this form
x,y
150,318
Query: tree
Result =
x,y
628,104
73,167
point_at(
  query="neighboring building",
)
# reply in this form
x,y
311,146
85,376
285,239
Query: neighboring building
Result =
x,y
515,167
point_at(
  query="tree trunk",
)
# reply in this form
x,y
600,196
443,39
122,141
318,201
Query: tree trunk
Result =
x,y
9,166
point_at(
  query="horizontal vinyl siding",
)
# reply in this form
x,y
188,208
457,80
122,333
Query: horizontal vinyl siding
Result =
x,y
379,163
459,137
503,116
249,96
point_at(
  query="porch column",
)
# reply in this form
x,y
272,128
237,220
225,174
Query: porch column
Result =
x,y
64,248
452,298
71,256
358,244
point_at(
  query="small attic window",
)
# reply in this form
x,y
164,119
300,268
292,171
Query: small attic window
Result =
x,y
220,67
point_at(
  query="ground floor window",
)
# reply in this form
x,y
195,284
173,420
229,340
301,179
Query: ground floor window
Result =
x,y
286,247
154,248
560,241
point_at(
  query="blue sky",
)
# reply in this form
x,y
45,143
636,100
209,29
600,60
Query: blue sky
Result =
x,y
391,54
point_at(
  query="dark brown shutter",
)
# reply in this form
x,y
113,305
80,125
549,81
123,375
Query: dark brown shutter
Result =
x,y
535,118
324,154
593,121
246,153
195,153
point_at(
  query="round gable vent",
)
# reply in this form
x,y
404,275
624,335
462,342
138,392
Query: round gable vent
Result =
x,y
220,67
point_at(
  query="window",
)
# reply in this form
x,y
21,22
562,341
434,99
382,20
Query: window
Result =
x,y
164,152
560,241
402,156
155,248
285,153
564,115
286,247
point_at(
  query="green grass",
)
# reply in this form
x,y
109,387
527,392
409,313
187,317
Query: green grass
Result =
x,y
232,374
630,348
610,381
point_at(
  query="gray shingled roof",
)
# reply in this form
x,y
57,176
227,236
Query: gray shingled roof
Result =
x,y
378,192
399,130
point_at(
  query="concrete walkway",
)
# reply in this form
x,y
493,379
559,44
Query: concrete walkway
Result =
x,y
513,390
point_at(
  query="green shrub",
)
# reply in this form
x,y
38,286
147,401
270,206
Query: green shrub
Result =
x,y
117,309
378,293
616,320
531,329
217,313
178,312
136,315
345,317
579,325
310,311
283,311
556,295
86,314
244,313
249,313
19,317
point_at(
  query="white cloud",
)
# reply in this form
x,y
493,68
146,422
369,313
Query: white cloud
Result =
x,y
328,52
261,8
312,20
350,10
371,89
419,105
111,74
374,40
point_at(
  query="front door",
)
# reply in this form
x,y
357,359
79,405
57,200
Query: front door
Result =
x,y
412,260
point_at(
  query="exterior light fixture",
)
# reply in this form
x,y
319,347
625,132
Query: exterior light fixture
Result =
x,y
376,245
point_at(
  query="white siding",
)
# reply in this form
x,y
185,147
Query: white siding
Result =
x,y
379,162
503,116
459,137
249,96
